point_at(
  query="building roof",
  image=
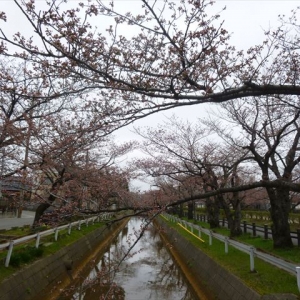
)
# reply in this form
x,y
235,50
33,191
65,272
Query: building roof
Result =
x,y
13,184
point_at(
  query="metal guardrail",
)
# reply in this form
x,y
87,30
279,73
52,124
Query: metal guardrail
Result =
x,y
278,262
255,229
10,245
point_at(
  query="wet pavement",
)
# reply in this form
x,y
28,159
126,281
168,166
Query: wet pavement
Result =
x,y
9,220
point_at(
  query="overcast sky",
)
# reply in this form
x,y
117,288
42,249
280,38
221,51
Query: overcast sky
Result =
x,y
245,19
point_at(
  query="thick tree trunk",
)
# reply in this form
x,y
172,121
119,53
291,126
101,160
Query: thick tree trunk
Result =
x,y
180,213
235,228
51,198
213,212
235,223
280,209
39,212
191,206
19,211
233,218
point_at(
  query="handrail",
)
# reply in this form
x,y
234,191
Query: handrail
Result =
x,y
40,234
278,262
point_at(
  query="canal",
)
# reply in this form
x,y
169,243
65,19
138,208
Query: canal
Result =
x,y
147,271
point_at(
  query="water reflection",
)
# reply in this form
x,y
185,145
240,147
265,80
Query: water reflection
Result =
x,y
147,272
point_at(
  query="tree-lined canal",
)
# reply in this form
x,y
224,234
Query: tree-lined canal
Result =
x,y
148,272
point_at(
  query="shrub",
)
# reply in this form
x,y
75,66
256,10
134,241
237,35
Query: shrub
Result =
x,y
25,255
15,260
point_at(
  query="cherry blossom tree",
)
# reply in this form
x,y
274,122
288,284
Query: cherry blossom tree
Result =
x,y
181,151
48,137
175,53
269,129
75,160
18,112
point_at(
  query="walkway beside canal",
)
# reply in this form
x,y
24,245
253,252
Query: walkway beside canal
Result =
x,y
9,220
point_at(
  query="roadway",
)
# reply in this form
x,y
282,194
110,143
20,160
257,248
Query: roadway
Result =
x,y
7,221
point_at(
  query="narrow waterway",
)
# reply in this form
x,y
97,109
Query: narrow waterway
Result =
x,y
147,272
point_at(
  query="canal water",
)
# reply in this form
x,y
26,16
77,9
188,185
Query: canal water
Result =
x,y
145,272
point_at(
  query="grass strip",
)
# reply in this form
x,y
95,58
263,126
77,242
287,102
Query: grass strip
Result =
x,y
290,254
267,279
48,246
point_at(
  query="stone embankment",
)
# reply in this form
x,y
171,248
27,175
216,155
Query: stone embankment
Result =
x,y
204,274
47,276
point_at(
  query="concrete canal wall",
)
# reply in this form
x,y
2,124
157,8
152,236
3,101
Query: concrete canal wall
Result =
x,y
203,271
44,278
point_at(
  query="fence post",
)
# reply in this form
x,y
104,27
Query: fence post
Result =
x,y
226,244
37,242
298,277
10,249
199,231
298,236
87,222
266,231
69,228
245,226
79,225
252,259
254,229
56,234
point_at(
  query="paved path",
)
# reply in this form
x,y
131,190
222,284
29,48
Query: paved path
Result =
x,y
9,221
